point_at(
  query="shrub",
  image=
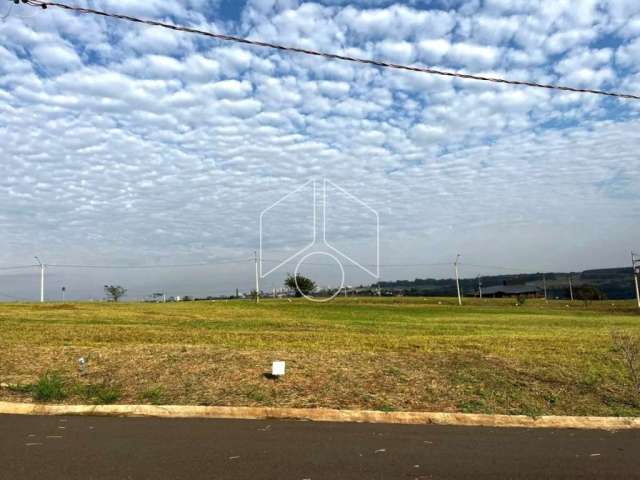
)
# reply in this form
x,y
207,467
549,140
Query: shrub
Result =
x,y
153,395
21,388
100,393
50,387
627,345
255,394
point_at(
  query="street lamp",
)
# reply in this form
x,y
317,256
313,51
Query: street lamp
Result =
x,y
42,269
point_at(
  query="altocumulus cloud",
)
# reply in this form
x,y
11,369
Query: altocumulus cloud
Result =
x,y
128,144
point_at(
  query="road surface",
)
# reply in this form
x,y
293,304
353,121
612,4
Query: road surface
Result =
x,y
88,448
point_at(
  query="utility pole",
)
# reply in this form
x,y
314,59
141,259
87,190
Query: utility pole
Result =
x,y
257,278
570,287
635,263
455,264
544,285
42,269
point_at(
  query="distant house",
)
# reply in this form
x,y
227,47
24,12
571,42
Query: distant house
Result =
x,y
500,291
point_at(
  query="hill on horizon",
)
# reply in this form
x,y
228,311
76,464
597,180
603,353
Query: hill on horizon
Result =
x,y
616,283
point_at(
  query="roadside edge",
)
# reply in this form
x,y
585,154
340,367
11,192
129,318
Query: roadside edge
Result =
x,y
325,415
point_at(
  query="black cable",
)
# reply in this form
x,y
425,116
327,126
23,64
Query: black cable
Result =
x,y
330,56
146,267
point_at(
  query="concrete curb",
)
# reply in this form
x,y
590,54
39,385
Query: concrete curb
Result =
x,y
324,415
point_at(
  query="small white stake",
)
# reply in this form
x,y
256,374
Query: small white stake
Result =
x,y
277,369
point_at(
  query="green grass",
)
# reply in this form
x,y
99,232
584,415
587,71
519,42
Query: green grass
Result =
x,y
153,395
99,393
50,387
377,353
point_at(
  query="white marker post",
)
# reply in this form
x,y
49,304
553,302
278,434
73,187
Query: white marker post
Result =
x,y
277,369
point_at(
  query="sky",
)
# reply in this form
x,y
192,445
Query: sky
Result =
x,y
128,145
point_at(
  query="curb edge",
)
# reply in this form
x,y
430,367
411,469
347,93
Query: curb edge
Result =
x,y
325,415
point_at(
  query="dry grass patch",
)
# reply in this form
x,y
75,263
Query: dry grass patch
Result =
x,y
396,354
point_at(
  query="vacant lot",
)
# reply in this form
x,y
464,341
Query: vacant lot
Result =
x,y
388,354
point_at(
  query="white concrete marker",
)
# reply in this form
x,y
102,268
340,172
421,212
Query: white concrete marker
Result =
x,y
277,369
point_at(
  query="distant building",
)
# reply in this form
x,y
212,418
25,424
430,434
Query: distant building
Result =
x,y
500,291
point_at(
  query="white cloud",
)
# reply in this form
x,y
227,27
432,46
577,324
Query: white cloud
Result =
x,y
495,30
232,89
190,137
566,40
473,56
241,108
629,55
334,89
433,51
428,134
399,52
56,57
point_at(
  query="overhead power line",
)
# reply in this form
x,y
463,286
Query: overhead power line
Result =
x,y
246,261
497,267
128,267
412,265
146,267
407,265
19,267
330,56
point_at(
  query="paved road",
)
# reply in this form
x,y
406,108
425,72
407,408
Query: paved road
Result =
x,y
87,448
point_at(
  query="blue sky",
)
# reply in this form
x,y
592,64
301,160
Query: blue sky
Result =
x,y
126,144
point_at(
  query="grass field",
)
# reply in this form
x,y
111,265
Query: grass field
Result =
x,y
386,354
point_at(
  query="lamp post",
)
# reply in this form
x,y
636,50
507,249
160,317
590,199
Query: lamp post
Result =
x,y
455,264
42,269
635,263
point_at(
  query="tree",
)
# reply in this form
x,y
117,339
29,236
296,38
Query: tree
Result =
x,y
301,285
588,293
114,292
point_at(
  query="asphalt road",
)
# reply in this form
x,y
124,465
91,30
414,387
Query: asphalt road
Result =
x,y
86,448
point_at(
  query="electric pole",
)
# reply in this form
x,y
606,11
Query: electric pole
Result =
x,y
635,263
257,278
570,287
455,264
42,269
